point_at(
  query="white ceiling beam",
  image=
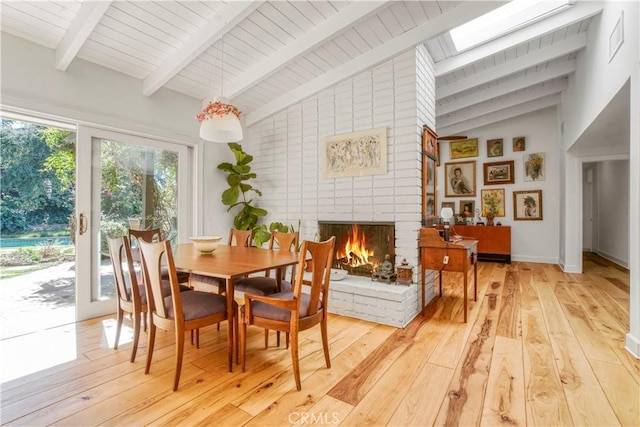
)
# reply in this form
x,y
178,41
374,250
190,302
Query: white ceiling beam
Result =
x,y
579,12
81,27
509,101
207,35
450,19
504,114
555,71
343,20
556,50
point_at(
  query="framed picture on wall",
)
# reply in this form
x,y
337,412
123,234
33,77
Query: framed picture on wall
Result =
x,y
495,148
534,167
492,201
498,173
451,205
428,189
430,142
467,208
527,205
460,179
463,148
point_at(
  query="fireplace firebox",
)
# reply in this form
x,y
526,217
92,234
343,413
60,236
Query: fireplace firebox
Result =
x,y
360,246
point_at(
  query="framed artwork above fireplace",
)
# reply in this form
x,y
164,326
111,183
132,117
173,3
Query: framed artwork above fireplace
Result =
x,y
355,154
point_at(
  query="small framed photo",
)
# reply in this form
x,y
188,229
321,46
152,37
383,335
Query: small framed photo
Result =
x,y
463,148
492,201
527,205
495,148
519,143
451,205
430,209
534,167
467,208
498,173
460,179
430,142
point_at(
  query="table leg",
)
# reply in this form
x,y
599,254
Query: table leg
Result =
x,y
230,322
475,281
440,282
423,284
465,295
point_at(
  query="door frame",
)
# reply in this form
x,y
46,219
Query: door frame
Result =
x,y
86,257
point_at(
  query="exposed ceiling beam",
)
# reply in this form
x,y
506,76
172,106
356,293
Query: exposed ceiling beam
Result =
x,y
511,100
504,114
450,19
579,12
555,71
83,23
346,18
556,50
207,35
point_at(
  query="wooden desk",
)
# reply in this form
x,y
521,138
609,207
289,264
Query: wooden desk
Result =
x,y
461,255
229,263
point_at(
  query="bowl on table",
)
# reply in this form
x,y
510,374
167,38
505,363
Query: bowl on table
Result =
x,y
206,244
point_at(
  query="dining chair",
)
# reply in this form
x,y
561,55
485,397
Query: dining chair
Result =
x,y
180,311
294,311
267,285
131,296
153,235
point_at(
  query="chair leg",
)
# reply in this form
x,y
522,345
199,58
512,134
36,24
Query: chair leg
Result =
x,y
136,335
197,338
152,339
243,344
266,338
119,318
287,339
325,341
295,359
179,353
234,324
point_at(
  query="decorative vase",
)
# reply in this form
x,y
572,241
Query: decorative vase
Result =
x,y
490,217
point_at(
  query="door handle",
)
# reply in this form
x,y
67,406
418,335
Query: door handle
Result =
x,y
83,224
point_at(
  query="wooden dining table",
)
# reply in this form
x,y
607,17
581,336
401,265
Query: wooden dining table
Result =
x,y
230,263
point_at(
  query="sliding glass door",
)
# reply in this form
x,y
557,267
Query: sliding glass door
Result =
x,y
124,182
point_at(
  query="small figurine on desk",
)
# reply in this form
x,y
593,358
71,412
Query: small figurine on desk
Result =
x,y
384,273
479,221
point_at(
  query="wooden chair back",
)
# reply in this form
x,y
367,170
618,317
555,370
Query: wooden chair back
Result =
x,y
153,255
320,264
150,235
284,242
127,288
240,237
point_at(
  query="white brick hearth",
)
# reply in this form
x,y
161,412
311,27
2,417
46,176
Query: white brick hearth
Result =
x,y
362,298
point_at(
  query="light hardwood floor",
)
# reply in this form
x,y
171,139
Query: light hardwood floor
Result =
x,y
541,347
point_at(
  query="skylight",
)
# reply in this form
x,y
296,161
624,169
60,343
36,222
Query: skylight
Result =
x,y
510,17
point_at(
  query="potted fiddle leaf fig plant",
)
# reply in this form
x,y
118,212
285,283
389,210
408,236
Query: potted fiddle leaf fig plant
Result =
x,y
238,193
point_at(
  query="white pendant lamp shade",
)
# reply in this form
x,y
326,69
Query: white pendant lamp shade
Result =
x,y
220,122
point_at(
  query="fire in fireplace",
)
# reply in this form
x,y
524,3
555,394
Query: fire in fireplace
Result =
x,y
360,246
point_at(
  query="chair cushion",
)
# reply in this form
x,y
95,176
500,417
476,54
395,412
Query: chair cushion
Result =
x,y
260,285
216,281
183,276
267,311
196,305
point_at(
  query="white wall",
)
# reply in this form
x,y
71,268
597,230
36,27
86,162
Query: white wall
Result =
x,y
613,227
533,241
399,95
596,80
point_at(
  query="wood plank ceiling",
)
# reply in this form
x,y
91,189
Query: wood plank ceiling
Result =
x,y
267,55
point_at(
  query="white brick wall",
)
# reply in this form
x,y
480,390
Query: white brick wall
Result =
x,y
398,94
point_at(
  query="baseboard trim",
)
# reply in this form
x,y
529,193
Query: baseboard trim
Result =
x,y
632,344
613,259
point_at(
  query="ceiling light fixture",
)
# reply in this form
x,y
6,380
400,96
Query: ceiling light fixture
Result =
x,y
220,120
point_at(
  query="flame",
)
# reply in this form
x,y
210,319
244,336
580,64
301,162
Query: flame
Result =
x,y
355,253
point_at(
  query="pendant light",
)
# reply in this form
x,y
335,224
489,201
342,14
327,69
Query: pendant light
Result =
x,y
220,120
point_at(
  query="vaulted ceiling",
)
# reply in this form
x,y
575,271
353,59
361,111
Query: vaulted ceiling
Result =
x,y
267,55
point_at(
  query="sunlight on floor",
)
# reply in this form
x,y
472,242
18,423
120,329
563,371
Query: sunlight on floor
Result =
x,y
34,352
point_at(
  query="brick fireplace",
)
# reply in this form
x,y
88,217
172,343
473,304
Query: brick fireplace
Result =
x,y
360,247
